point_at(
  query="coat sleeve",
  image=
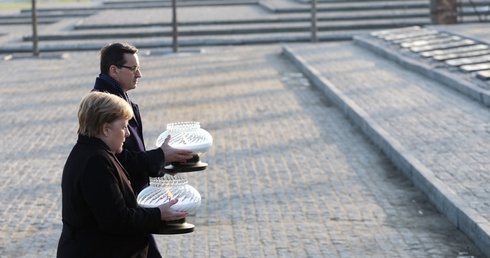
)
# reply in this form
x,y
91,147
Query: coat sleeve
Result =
x,y
112,202
137,161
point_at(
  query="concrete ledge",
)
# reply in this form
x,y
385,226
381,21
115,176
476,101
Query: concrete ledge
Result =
x,y
447,201
447,78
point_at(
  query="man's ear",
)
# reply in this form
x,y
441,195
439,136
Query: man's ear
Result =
x,y
113,71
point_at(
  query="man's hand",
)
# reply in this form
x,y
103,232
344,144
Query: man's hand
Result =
x,y
174,155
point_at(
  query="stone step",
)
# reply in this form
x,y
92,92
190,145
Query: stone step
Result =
x,y
224,29
268,21
273,18
291,7
50,14
275,6
143,4
187,42
24,21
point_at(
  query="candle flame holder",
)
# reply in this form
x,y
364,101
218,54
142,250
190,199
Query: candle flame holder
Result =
x,y
186,136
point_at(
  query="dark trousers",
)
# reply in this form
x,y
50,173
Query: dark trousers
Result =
x,y
153,249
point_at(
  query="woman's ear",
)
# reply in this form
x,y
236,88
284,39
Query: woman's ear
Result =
x,y
105,129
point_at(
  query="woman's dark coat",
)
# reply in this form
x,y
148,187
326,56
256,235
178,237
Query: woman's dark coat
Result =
x,y
100,213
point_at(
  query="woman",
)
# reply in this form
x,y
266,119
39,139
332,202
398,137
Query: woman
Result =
x,y
101,217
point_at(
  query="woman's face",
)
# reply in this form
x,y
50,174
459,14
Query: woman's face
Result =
x,y
115,134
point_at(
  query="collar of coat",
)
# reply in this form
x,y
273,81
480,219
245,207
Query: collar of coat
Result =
x,y
115,86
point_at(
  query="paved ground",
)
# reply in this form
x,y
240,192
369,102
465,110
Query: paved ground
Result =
x,y
289,175
434,133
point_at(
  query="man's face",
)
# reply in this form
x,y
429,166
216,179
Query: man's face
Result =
x,y
127,76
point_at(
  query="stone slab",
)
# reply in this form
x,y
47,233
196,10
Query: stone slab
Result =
x,y
475,67
399,36
438,39
469,60
384,33
461,55
452,44
484,75
423,37
440,52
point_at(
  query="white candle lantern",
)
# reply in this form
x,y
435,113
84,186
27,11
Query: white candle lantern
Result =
x,y
186,136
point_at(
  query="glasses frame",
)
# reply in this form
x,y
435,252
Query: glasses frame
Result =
x,y
133,69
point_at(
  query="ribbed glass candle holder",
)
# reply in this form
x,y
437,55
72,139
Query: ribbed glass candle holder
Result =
x,y
163,189
187,136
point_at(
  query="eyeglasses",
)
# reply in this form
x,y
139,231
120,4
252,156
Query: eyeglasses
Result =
x,y
133,69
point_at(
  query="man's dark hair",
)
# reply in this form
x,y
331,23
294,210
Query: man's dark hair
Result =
x,y
113,54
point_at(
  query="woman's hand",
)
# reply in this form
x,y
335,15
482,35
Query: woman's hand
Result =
x,y
168,214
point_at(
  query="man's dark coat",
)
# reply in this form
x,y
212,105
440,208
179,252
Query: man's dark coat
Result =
x,y
138,162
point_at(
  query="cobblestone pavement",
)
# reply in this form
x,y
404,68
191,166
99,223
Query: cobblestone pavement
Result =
x,y
289,174
437,135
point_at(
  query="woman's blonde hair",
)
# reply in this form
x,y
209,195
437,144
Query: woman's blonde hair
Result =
x,y
98,108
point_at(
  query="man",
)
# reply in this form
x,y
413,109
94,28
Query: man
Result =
x,y
119,73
